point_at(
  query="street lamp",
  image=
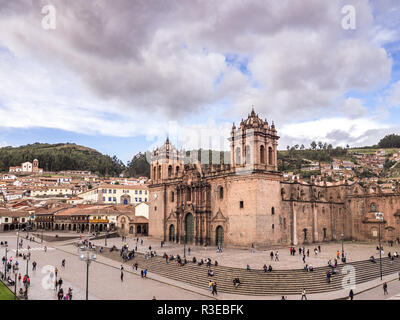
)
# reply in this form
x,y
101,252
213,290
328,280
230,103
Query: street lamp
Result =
x,y
184,245
105,239
85,255
5,265
379,217
17,241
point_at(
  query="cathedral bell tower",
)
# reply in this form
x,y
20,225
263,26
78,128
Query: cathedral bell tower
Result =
x,y
254,145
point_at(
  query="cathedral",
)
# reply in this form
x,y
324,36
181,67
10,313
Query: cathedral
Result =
x,y
243,200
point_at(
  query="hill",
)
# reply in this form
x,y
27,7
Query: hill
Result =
x,y
61,156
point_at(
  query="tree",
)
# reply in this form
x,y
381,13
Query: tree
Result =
x,y
313,145
390,141
302,147
320,145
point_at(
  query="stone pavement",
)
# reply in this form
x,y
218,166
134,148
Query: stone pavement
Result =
x,y
239,258
104,279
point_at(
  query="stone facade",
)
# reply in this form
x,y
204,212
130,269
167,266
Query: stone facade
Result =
x,y
245,201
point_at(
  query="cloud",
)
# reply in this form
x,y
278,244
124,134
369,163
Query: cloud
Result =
x,y
124,68
394,95
3,144
352,108
337,131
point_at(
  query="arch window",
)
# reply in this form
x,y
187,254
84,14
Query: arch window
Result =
x,y
221,192
270,156
262,154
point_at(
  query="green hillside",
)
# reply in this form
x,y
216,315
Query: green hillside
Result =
x,y
61,156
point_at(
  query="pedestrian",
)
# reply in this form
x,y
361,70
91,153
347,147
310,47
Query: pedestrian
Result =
x,y
351,294
303,295
19,278
189,251
304,258
56,271
145,273
319,249
276,256
141,273
272,255
308,252
252,248
214,288
385,290
60,282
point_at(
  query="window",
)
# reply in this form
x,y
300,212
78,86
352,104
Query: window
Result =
x,y
241,204
115,199
145,191
270,156
104,198
262,155
273,226
140,191
140,199
145,199
114,191
6,219
221,192
135,191
172,196
155,208
109,190
136,200
272,210
109,198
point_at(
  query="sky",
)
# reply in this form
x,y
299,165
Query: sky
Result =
x,y
119,76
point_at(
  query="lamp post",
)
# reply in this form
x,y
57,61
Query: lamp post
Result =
x,y
5,265
86,256
342,245
105,239
184,245
379,217
17,241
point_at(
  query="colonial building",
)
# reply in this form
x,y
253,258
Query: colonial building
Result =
x,y
243,200
27,167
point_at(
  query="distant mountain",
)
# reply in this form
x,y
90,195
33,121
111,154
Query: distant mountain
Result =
x,y
61,156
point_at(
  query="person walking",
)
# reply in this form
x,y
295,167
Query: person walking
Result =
x,y
303,295
272,255
142,273
385,289
56,271
252,248
145,273
276,256
214,289
351,294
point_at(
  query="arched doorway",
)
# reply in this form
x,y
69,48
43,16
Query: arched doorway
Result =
x,y
189,228
172,233
219,236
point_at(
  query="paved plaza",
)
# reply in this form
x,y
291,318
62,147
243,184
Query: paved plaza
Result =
x,y
239,258
104,274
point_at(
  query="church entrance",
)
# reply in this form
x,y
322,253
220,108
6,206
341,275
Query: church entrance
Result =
x,y
219,236
172,233
189,228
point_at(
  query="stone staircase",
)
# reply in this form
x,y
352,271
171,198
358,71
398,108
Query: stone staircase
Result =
x,y
258,282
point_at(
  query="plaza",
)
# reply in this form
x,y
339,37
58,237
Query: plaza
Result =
x,y
104,273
